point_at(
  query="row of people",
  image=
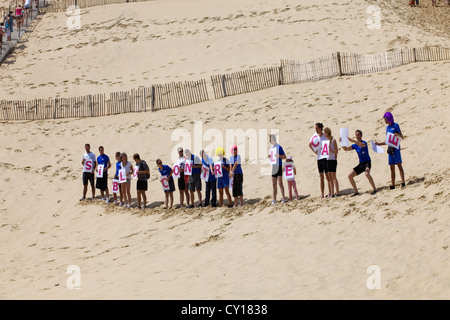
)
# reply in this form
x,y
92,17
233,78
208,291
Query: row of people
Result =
x,y
231,174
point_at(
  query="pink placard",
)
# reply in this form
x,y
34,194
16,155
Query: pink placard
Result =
x,y
176,170
392,140
188,168
115,186
165,183
289,172
218,169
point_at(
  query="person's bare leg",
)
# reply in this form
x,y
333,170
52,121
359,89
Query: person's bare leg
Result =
x,y
241,198
280,183
139,198
188,198
93,191
192,198
335,181
220,197
402,173
199,194
144,197
330,184
322,184
274,188
369,177
166,200
351,177
171,200
392,168
227,191
85,187
181,197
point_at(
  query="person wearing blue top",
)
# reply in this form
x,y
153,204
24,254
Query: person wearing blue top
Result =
x,y
365,163
277,168
195,182
237,175
102,183
223,183
394,155
211,184
165,170
116,177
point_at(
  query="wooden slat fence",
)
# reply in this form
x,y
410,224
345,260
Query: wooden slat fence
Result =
x,y
63,5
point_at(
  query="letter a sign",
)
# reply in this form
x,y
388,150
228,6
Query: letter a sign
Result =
x,y
325,150
392,140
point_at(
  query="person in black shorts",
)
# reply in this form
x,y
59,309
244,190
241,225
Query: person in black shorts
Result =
x,y
195,182
182,187
277,168
365,163
89,163
143,174
321,163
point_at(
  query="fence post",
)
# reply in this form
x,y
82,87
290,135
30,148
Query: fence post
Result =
x,y
56,107
153,98
338,54
414,54
224,90
90,105
280,80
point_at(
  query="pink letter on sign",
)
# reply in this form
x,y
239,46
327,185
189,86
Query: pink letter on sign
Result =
x,y
135,171
273,155
122,176
325,153
88,166
165,183
315,142
289,172
218,169
176,170
205,173
392,140
115,188
100,169
188,168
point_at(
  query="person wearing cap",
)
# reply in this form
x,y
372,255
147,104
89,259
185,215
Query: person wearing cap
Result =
x,y
223,183
277,169
292,185
238,176
195,182
182,183
394,155
211,184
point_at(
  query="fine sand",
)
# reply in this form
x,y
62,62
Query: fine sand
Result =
x,y
312,248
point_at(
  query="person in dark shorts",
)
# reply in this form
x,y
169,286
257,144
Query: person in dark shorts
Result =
x,y
88,170
333,184
195,182
211,184
238,176
365,163
277,169
102,183
182,185
321,163
143,174
165,170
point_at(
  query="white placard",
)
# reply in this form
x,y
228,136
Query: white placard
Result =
x,y
88,166
315,142
135,171
165,183
325,150
100,170
205,173
231,184
289,172
176,170
273,155
122,176
115,186
188,168
344,137
376,148
393,141
218,169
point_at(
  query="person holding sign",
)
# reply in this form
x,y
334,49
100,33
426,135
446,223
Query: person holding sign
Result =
x,y
89,164
183,180
237,175
104,164
210,182
116,178
195,182
223,167
316,146
365,163
276,155
331,166
143,174
394,155
167,182
125,176
289,173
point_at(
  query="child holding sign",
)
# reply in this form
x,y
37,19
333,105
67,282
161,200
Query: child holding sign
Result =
x,y
89,163
394,155
289,173
167,182
143,173
103,164
125,176
222,166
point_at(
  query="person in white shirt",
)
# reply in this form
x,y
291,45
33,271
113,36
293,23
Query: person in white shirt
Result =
x,y
182,183
333,184
126,186
89,163
321,163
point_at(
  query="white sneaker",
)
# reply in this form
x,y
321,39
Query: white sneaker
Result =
x,y
128,206
274,202
115,201
107,201
103,199
121,204
283,201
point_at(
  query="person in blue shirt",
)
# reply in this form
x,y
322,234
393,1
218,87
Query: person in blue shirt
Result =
x,y
394,155
102,183
116,177
237,175
165,170
211,184
277,169
223,183
365,163
195,182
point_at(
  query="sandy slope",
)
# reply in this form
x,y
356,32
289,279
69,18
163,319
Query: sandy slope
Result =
x,y
312,248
